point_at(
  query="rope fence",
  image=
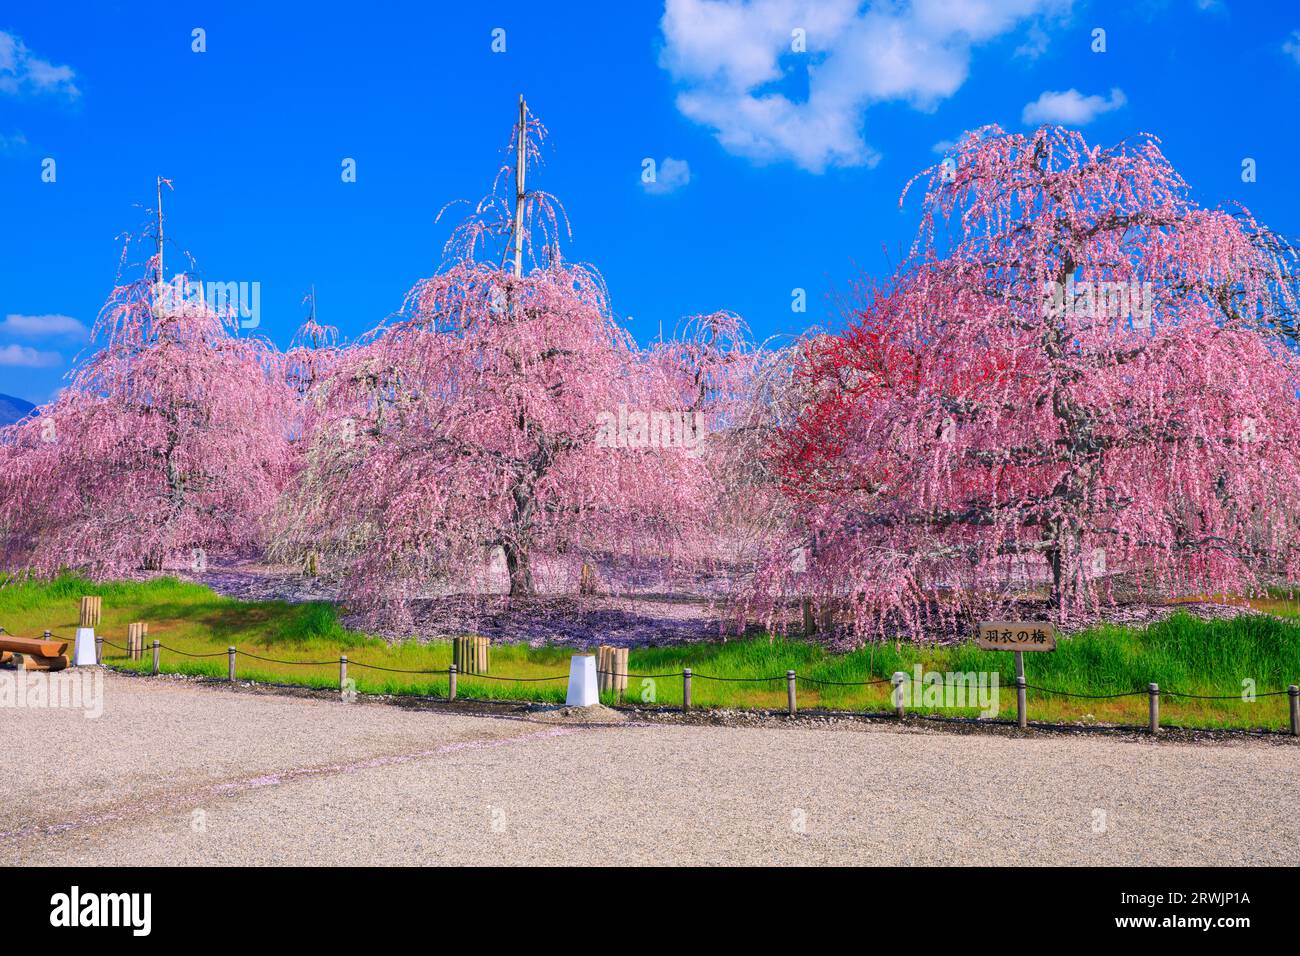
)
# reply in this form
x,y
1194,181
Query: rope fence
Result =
x,y
792,679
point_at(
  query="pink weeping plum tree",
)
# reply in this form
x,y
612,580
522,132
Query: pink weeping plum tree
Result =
x,y
169,441
1079,379
503,407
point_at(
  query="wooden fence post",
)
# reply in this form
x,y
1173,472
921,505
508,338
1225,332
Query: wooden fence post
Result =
x,y
897,680
1154,723
156,645
1294,691
230,661
686,688
790,682
343,672
1022,713
451,682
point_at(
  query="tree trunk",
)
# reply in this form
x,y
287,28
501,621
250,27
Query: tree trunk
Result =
x,y
1063,558
520,568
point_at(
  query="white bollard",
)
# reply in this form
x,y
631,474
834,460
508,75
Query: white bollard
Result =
x,y
85,650
582,682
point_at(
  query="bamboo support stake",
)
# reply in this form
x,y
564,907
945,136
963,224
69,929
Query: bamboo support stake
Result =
x,y
605,668
472,655
135,635
91,607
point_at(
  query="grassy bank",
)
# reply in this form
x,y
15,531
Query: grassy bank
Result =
x,y
1181,654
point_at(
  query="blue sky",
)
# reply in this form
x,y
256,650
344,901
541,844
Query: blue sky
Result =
x,y
794,160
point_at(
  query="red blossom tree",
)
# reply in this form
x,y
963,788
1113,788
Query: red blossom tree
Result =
x,y
1078,374
170,439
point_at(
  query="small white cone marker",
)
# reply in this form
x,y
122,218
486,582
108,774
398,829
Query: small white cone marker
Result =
x,y
582,681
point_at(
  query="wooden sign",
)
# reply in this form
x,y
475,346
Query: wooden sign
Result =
x,y
1017,636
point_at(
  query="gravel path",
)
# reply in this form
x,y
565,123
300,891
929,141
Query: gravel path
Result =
x,y
176,773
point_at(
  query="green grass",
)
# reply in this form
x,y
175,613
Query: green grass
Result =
x,y
1182,653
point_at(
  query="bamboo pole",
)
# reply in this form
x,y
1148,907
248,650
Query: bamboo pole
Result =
x,y
521,166
160,238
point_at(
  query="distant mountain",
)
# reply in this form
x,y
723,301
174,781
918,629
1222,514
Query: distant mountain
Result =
x,y
12,409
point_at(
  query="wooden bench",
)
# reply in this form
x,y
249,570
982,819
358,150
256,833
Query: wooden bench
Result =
x,y
34,654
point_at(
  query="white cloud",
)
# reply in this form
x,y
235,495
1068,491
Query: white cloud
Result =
x,y
12,142
1035,45
43,326
1291,47
23,357
22,71
1070,107
728,55
670,175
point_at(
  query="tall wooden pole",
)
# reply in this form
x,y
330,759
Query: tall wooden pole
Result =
x,y
521,165
160,233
